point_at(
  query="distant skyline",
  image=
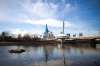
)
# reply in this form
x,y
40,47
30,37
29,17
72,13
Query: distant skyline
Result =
x,y
31,16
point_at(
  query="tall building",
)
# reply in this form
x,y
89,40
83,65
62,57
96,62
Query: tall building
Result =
x,y
47,34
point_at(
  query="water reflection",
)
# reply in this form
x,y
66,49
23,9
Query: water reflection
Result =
x,y
50,56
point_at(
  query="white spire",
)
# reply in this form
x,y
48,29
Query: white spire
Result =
x,y
63,27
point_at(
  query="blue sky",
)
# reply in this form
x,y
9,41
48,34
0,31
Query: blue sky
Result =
x,y
31,16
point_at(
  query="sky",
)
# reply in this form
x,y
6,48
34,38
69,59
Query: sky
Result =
x,y
31,16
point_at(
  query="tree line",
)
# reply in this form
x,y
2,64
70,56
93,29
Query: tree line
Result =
x,y
6,36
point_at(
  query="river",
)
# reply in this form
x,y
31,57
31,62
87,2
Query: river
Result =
x,y
50,56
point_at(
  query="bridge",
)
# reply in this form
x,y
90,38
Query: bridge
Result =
x,y
92,41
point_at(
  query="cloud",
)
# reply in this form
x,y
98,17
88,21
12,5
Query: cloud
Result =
x,y
33,9
38,13
39,9
35,12
18,31
23,31
50,21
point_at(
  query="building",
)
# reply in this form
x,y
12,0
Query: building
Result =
x,y
47,34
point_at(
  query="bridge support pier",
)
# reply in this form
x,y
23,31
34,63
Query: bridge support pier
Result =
x,y
92,43
61,43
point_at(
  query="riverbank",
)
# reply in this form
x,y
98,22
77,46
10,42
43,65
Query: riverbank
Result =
x,y
52,42
43,42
